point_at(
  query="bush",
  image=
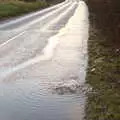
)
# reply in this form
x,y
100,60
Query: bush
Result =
x,y
107,13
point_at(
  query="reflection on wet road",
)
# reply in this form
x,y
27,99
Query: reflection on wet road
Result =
x,y
43,60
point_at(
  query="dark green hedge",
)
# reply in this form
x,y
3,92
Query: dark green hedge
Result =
x,y
107,13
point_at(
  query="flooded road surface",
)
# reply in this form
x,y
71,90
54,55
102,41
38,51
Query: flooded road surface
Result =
x,y
43,60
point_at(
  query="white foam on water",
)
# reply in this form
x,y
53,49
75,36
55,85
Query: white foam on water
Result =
x,y
59,17
72,51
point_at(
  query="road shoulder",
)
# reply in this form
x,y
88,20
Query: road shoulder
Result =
x,y
103,75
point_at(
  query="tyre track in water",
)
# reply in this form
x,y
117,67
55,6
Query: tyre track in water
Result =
x,y
8,33
29,17
41,20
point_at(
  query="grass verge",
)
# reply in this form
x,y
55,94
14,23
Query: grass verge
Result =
x,y
16,8
103,75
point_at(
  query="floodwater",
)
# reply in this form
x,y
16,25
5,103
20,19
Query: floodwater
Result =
x,y
43,61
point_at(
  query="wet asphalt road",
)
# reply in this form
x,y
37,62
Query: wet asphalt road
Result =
x,y
43,60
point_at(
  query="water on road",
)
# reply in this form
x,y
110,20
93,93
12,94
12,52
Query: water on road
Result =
x,y
43,60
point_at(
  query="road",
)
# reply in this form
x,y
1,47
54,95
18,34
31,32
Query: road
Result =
x,y
43,61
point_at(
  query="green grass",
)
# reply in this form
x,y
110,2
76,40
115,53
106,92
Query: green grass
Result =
x,y
15,8
104,76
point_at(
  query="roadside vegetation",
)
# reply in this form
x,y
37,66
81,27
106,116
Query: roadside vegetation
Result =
x,y
53,2
9,8
104,60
